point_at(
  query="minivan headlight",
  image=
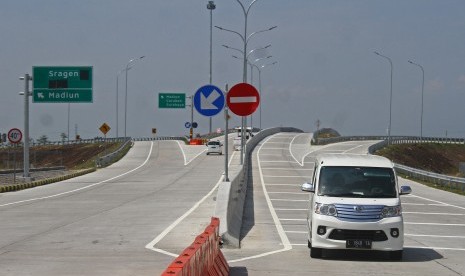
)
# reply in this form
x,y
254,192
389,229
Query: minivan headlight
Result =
x,y
391,211
325,209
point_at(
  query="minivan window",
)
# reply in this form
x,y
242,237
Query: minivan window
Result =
x,y
214,143
361,182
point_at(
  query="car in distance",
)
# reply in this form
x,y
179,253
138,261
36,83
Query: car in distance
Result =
x,y
355,205
214,147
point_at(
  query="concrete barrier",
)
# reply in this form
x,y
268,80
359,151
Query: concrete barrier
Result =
x,y
231,195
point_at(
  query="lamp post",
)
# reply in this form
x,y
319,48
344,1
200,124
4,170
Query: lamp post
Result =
x,y
27,78
245,40
211,6
260,88
117,104
126,94
390,99
422,86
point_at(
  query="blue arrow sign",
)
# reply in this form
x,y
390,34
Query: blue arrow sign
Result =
x,y
209,100
187,125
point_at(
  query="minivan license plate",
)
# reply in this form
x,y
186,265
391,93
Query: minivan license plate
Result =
x,y
366,244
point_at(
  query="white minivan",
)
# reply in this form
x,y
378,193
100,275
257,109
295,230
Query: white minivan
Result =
x,y
355,205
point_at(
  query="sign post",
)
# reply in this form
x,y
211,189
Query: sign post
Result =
x,y
243,99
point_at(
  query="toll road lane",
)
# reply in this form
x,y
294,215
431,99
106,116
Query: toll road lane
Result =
x,y
275,234
100,223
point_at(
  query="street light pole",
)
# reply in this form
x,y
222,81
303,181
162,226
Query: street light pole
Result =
x,y
211,6
390,99
126,93
26,92
422,86
261,92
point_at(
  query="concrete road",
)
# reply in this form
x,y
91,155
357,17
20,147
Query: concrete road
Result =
x,y
275,237
108,222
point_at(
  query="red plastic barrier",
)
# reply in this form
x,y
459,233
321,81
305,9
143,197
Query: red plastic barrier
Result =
x,y
203,257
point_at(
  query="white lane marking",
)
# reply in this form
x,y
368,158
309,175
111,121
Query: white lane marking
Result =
x,y
434,223
291,176
284,161
289,200
287,169
151,245
297,232
289,193
424,204
435,236
290,147
85,187
442,214
463,208
274,148
185,159
359,146
436,248
284,239
294,185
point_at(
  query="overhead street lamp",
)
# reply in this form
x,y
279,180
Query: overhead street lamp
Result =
x,y
117,97
211,6
260,88
390,98
422,86
126,94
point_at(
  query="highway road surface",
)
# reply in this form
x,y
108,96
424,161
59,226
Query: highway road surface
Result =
x,y
135,216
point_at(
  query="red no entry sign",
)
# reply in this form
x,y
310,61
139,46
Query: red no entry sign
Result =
x,y
243,99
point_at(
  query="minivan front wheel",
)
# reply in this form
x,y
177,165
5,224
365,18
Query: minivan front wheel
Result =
x,y
315,252
395,255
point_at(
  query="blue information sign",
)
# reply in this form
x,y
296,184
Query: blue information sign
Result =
x,y
209,100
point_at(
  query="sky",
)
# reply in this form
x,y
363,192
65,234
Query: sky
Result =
x,y
326,69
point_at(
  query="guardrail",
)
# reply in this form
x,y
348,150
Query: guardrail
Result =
x,y
231,195
445,181
110,158
394,139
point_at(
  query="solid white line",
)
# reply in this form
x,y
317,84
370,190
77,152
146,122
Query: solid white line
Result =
x,y
251,99
435,248
463,208
299,176
290,200
284,161
435,236
297,232
298,185
85,187
185,159
289,193
290,146
359,146
442,214
432,223
151,245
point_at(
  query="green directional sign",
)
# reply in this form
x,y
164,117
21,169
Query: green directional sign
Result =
x,y
62,84
171,100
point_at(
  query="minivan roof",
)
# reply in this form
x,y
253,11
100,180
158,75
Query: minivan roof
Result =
x,y
354,160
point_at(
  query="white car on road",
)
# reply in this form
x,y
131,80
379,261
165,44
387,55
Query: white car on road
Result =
x,y
355,205
214,147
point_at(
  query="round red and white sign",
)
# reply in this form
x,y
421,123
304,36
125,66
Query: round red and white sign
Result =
x,y
15,135
243,99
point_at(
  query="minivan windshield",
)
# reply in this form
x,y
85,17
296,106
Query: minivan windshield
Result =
x,y
361,182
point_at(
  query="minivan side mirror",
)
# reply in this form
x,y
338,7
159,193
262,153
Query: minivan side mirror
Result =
x,y
308,187
405,190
